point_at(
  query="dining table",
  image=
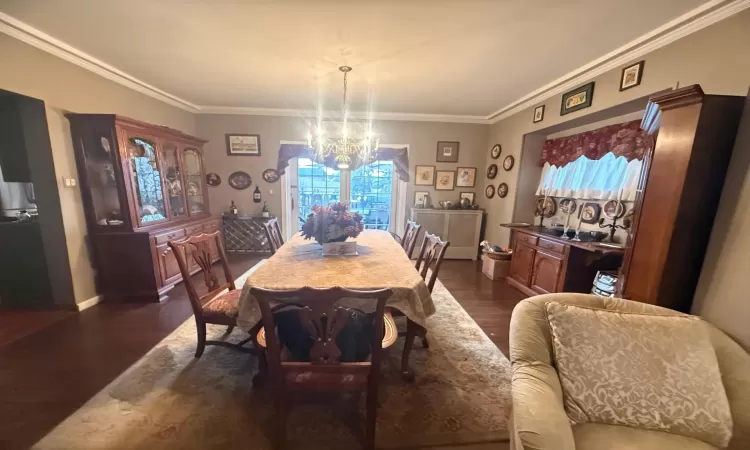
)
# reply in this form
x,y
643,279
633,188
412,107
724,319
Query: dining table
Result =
x,y
380,262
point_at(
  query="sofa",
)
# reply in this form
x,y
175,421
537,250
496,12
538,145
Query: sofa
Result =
x,y
539,420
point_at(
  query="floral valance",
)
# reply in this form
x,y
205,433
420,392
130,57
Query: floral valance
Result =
x,y
399,156
623,139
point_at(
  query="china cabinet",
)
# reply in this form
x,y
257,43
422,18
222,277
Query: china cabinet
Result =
x,y
142,186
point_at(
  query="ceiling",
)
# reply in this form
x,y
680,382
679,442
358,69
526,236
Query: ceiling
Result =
x,y
447,57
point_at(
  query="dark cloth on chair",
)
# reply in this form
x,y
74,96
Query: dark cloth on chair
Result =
x,y
353,341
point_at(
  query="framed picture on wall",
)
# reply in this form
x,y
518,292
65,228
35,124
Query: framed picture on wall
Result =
x,y
445,180
576,99
631,76
421,198
466,176
538,114
447,151
469,195
243,144
424,175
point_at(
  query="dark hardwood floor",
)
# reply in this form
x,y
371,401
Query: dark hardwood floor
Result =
x,y
46,374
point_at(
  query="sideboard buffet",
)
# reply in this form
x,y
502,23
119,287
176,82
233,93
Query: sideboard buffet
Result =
x,y
142,186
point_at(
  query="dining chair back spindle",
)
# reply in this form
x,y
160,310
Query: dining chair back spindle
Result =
x,y
273,233
410,237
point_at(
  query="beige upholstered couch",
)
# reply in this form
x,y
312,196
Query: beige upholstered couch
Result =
x,y
539,420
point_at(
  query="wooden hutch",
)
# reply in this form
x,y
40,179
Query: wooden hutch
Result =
x,y
142,186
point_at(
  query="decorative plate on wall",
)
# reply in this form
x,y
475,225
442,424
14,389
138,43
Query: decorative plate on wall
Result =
x,y
568,205
492,171
490,191
240,180
590,212
496,150
502,190
508,162
270,175
213,179
614,208
546,205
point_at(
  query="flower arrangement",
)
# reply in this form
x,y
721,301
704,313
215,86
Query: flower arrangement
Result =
x,y
332,223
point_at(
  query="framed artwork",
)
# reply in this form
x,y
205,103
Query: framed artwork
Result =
x,y
213,179
631,76
538,114
243,144
420,198
424,175
492,171
445,180
578,98
466,176
270,175
489,191
447,151
568,205
240,180
508,162
496,150
502,190
469,195
590,212
614,208
546,206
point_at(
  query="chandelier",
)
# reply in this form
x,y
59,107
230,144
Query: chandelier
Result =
x,y
350,141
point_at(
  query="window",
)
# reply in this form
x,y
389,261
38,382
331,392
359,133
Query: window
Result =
x,y
371,188
318,185
602,179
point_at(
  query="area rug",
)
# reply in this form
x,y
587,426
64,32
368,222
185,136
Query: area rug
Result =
x,y
171,400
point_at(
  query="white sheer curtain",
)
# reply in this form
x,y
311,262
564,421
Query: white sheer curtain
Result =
x,y
588,179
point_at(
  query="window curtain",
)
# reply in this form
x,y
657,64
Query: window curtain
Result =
x,y
600,179
625,140
399,156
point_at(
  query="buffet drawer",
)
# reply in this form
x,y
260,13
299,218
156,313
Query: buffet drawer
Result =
x,y
195,229
210,227
553,246
171,236
523,237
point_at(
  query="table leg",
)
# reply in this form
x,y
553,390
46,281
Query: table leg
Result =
x,y
412,330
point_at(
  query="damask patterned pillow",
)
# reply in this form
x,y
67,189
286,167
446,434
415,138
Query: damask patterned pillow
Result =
x,y
655,372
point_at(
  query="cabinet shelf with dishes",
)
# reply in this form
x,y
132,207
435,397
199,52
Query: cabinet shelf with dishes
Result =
x,y
142,186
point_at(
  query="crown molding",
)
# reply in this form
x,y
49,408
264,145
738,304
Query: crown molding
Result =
x,y
41,40
415,117
688,23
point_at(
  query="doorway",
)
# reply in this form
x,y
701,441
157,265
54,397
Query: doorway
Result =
x,y
373,190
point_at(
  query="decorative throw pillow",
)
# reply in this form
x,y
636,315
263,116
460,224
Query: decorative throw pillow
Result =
x,y
656,372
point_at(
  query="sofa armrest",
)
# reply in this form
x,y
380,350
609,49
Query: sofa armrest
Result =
x,y
539,418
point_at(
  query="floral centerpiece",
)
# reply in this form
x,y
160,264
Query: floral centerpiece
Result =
x,y
332,223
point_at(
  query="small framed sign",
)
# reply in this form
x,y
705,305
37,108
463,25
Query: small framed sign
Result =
x,y
631,76
243,144
538,114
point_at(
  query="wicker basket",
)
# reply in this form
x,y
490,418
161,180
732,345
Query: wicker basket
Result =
x,y
497,256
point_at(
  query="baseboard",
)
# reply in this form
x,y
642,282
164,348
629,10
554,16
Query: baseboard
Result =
x,y
88,303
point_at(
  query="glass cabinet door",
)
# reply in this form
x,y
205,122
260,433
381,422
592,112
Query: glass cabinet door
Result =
x,y
146,180
173,183
194,180
99,154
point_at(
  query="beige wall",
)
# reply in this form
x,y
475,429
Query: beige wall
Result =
x,y
66,87
715,57
422,138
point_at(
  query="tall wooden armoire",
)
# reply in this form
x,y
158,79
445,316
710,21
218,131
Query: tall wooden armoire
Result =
x,y
679,193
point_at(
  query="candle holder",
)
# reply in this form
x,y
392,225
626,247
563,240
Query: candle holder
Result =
x,y
577,238
612,228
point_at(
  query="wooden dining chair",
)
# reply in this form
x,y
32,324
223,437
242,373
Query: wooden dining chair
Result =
x,y
273,233
322,315
409,240
215,306
430,258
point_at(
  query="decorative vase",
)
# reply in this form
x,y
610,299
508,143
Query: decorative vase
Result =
x,y
340,248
